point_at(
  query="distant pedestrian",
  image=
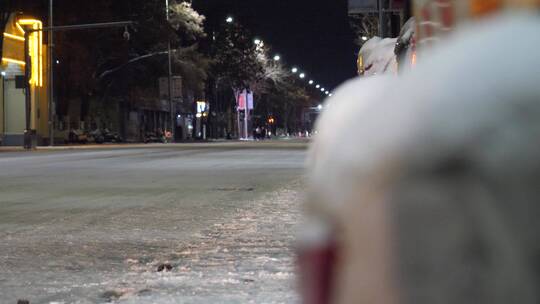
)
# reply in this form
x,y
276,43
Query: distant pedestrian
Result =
x,y
168,136
257,135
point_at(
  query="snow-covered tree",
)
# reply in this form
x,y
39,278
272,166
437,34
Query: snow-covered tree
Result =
x,y
183,18
236,60
364,25
272,70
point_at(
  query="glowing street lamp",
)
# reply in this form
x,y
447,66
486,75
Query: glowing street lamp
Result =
x,y
317,86
302,75
311,82
320,107
277,58
364,38
229,19
257,41
322,90
294,70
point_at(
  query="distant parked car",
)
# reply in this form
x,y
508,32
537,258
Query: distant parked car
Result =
x,y
153,137
75,136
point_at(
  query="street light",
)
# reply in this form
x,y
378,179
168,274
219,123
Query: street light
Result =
x,y
257,41
51,77
172,119
311,82
317,86
330,94
229,19
364,38
322,89
28,31
294,70
277,58
320,107
327,92
302,75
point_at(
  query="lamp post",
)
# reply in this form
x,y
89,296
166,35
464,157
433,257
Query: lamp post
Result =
x,y
51,76
28,99
381,4
171,105
28,71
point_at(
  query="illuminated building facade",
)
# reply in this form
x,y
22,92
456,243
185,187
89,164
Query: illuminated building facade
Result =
x,y
13,82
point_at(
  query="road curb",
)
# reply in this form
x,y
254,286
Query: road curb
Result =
x,y
200,144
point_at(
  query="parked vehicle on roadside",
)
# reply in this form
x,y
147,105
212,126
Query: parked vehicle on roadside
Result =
x,y
75,136
96,136
111,137
153,137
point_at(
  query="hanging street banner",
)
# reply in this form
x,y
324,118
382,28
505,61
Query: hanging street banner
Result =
x,y
241,100
250,100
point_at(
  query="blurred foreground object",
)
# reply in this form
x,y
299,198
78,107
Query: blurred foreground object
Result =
x,y
434,20
424,188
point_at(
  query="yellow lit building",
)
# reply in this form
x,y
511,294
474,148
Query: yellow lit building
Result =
x,y
12,81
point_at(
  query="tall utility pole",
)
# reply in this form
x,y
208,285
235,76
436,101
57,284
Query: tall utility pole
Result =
x,y
28,99
381,18
171,105
51,76
28,135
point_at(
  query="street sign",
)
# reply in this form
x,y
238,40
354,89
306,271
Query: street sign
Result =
x,y
361,6
201,106
371,6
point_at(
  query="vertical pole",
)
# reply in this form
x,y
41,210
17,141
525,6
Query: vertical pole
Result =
x,y
381,18
51,76
238,121
246,121
27,72
171,105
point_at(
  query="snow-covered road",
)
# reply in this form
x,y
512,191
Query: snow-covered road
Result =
x,y
94,226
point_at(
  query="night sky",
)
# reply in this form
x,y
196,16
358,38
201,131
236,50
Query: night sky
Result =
x,y
313,35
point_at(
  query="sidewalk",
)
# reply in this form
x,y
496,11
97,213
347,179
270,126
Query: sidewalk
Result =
x,y
90,147
188,144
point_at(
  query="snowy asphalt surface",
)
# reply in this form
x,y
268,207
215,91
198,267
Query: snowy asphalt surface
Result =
x,y
93,226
